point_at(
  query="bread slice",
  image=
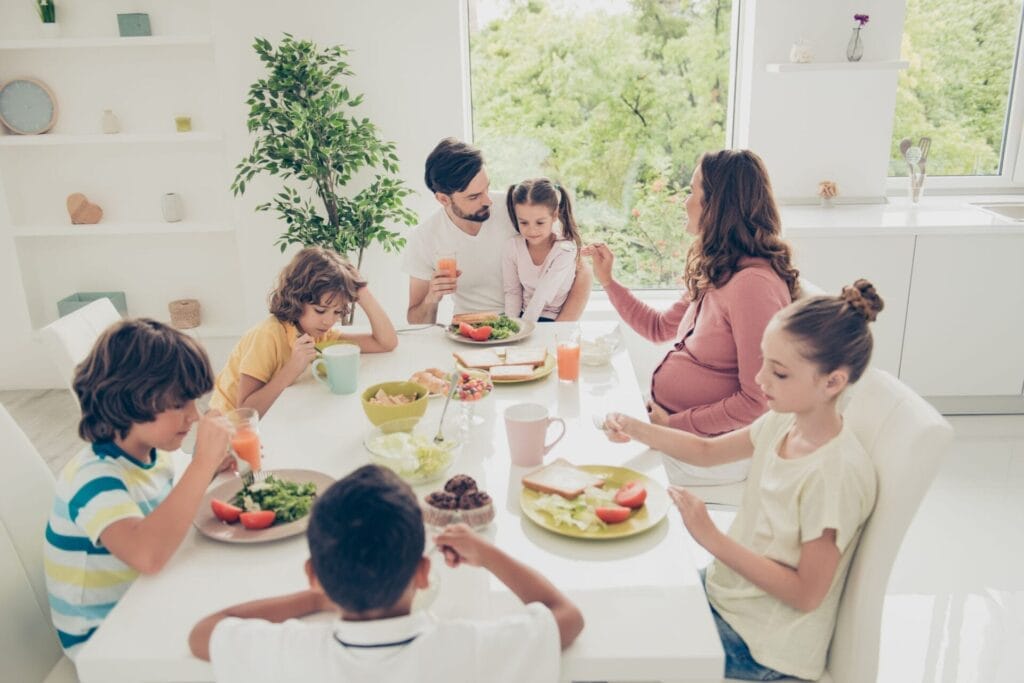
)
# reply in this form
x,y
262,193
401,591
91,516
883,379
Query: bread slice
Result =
x,y
483,359
474,317
509,372
526,356
561,478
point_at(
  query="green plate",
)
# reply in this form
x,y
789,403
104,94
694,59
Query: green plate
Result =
x,y
653,511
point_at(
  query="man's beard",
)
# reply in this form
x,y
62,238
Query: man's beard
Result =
x,y
478,217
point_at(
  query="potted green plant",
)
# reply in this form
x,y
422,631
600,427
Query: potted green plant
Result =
x,y
301,115
48,15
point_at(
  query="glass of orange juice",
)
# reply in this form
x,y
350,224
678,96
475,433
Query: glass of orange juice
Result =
x,y
245,435
569,355
447,264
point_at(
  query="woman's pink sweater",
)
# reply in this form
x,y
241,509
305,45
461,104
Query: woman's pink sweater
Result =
x,y
706,383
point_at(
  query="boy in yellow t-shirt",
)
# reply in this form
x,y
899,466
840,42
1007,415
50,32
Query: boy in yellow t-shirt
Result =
x,y
314,291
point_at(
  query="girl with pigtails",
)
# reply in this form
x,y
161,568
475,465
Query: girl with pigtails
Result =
x,y
539,263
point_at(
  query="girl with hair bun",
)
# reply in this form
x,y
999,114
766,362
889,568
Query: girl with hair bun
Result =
x,y
778,573
539,262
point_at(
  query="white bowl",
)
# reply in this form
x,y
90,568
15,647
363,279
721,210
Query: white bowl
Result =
x,y
407,447
595,352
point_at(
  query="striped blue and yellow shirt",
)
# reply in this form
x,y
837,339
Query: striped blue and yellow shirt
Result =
x,y
100,486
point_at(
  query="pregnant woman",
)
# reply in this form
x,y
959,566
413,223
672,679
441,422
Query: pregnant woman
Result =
x,y
738,275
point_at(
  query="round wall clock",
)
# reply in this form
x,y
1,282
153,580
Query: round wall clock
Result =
x,y
27,106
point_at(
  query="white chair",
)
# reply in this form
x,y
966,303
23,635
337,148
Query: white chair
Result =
x,y
70,339
28,643
907,440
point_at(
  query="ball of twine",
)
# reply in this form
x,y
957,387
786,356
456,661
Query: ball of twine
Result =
x,y
184,313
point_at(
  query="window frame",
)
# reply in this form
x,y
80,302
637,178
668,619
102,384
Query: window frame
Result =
x,y
1011,168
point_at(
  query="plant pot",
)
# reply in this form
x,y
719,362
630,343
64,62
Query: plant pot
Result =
x,y
171,207
50,29
80,299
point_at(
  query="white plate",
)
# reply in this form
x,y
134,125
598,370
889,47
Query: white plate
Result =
x,y
525,330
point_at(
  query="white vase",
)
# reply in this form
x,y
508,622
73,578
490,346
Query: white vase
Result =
x,y
171,207
111,124
50,29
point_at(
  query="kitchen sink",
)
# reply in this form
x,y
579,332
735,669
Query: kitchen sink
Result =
x,y
1013,211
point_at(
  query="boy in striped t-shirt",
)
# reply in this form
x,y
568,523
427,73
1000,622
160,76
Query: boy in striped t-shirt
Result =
x,y
116,513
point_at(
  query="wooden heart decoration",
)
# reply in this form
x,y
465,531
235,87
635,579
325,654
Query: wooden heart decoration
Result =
x,y
82,211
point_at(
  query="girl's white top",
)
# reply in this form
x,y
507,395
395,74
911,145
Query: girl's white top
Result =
x,y
537,291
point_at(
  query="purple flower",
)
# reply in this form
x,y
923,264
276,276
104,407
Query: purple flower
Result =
x,y
861,18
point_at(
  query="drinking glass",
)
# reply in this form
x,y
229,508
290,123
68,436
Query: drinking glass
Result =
x,y
569,355
447,263
245,435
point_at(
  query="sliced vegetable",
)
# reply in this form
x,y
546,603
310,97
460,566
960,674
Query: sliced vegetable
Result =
x,y
612,515
466,330
481,333
631,495
257,520
225,512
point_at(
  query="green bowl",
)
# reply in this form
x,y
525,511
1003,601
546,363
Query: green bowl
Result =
x,y
378,414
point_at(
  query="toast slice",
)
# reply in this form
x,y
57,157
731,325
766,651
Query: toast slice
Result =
x,y
561,478
526,356
510,372
474,317
480,359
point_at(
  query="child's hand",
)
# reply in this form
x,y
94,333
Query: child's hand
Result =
x,y
303,353
614,426
602,258
695,516
657,414
460,544
212,437
440,285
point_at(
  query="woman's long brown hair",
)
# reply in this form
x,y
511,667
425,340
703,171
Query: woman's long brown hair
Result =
x,y
739,218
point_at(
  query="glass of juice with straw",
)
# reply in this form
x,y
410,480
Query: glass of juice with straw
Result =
x,y
245,435
568,352
447,264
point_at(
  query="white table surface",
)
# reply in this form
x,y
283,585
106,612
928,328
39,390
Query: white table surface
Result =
x,y
645,610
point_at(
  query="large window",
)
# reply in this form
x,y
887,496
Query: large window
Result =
x,y
616,99
958,89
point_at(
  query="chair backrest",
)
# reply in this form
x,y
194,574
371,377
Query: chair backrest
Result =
x,y
71,338
28,642
906,439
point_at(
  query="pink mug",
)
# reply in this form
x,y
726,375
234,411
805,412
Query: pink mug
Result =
x,y
527,425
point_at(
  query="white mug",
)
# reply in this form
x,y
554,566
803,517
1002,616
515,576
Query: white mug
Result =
x,y
526,425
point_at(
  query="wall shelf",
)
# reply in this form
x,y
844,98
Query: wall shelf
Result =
x,y
122,228
788,67
105,42
54,139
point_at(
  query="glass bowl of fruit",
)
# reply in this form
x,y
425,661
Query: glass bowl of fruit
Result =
x,y
472,387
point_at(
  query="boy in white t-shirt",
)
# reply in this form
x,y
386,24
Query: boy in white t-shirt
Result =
x,y
366,541
467,230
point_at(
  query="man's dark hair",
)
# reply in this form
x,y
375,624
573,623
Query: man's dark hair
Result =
x,y
136,370
452,165
366,539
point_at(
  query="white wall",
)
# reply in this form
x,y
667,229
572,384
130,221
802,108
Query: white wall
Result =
x,y
812,126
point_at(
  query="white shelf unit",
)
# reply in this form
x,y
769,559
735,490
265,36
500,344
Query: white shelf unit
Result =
x,y
146,81
98,229
107,42
56,139
789,67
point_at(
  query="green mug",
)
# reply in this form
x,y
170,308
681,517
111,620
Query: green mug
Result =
x,y
340,364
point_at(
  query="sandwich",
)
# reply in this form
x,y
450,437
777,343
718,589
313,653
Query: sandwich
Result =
x,y
479,359
511,372
526,356
561,478
472,318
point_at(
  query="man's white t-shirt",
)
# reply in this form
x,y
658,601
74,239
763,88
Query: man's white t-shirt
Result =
x,y
519,647
478,256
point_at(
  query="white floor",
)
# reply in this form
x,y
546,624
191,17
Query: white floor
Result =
x,y
955,605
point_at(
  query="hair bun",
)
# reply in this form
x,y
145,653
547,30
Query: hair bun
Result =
x,y
862,297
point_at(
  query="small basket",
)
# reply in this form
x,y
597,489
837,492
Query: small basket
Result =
x,y
184,313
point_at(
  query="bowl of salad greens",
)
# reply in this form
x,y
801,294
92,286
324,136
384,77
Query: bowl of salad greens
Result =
x,y
408,448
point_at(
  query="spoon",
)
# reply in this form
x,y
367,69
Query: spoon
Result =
x,y
904,146
453,381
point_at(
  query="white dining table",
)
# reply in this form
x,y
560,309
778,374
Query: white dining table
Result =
x,y
646,614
